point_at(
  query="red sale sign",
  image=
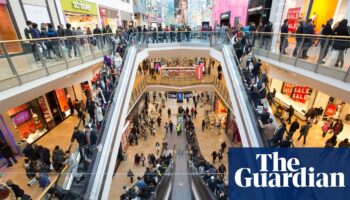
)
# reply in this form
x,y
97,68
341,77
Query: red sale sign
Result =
x,y
199,72
293,15
300,93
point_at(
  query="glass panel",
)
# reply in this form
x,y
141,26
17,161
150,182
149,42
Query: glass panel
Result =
x,y
30,57
83,45
5,68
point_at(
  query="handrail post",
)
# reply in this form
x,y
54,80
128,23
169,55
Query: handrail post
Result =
x,y
322,53
12,66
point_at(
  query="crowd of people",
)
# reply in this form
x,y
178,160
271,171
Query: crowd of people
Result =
x,y
39,161
146,185
214,178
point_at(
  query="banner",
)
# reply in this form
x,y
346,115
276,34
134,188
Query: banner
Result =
x,y
181,12
293,15
199,72
289,173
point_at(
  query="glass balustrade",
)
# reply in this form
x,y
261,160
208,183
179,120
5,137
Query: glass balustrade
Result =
x,y
317,53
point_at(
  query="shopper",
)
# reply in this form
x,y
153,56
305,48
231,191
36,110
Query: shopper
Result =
x,y
327,126
57,158
279,134
157,147
290,111
35,34
214,155
222,171
284,37
337,127
308,29
98,115
169,113
267,35
326,31
43,180
344,144
171,126
341,44
304,131
298,37
331,142
70,41
73,165
131,175
7,153
293,128
19,192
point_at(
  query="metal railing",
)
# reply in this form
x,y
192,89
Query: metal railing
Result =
x,y
23,61
322,54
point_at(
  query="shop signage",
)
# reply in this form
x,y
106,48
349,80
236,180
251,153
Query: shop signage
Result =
x,y
293,15
79,6
300,93
225,15
287,89
255,9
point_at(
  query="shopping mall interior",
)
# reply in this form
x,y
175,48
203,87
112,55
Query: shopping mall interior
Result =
x,y
143,99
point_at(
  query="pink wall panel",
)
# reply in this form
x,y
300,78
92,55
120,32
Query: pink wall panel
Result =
x,y
238,8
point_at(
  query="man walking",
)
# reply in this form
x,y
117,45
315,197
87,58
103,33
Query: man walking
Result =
x,y
304,131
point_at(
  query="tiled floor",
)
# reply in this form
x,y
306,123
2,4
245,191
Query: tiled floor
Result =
x,y
208,141
60,135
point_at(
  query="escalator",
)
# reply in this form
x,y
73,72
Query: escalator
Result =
x,y
183,183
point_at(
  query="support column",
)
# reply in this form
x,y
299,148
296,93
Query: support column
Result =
x,y
276,16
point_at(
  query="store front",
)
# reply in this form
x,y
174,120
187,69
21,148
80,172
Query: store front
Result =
x,y
302,98
31,120
232,130
34,119
82,14
109,17
319,11
237,8
7,30
225,19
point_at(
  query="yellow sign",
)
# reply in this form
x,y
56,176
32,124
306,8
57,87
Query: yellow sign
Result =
x,y
79,6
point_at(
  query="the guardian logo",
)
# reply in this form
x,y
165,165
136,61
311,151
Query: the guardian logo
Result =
x,y
285,173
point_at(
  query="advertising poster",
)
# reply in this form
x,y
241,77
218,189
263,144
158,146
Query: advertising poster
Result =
x,y
181,11
199,72
293,19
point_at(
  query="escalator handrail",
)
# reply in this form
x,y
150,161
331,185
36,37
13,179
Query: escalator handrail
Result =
x,y
107,118
251,108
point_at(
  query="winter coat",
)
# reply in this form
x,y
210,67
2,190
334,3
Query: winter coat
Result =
x,y
341,43
58,156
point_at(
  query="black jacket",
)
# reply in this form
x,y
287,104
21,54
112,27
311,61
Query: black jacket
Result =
x,y
79,136
341,44
294,126
17,190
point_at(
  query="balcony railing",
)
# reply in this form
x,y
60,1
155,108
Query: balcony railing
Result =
x,y
37,58
316,53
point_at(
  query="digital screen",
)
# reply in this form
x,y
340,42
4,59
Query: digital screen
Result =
x,y
21,117
180,97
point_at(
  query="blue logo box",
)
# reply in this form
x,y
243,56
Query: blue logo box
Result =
x,y
289,173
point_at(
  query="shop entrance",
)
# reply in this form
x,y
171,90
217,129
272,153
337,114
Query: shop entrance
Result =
x,y
225,22
54,107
